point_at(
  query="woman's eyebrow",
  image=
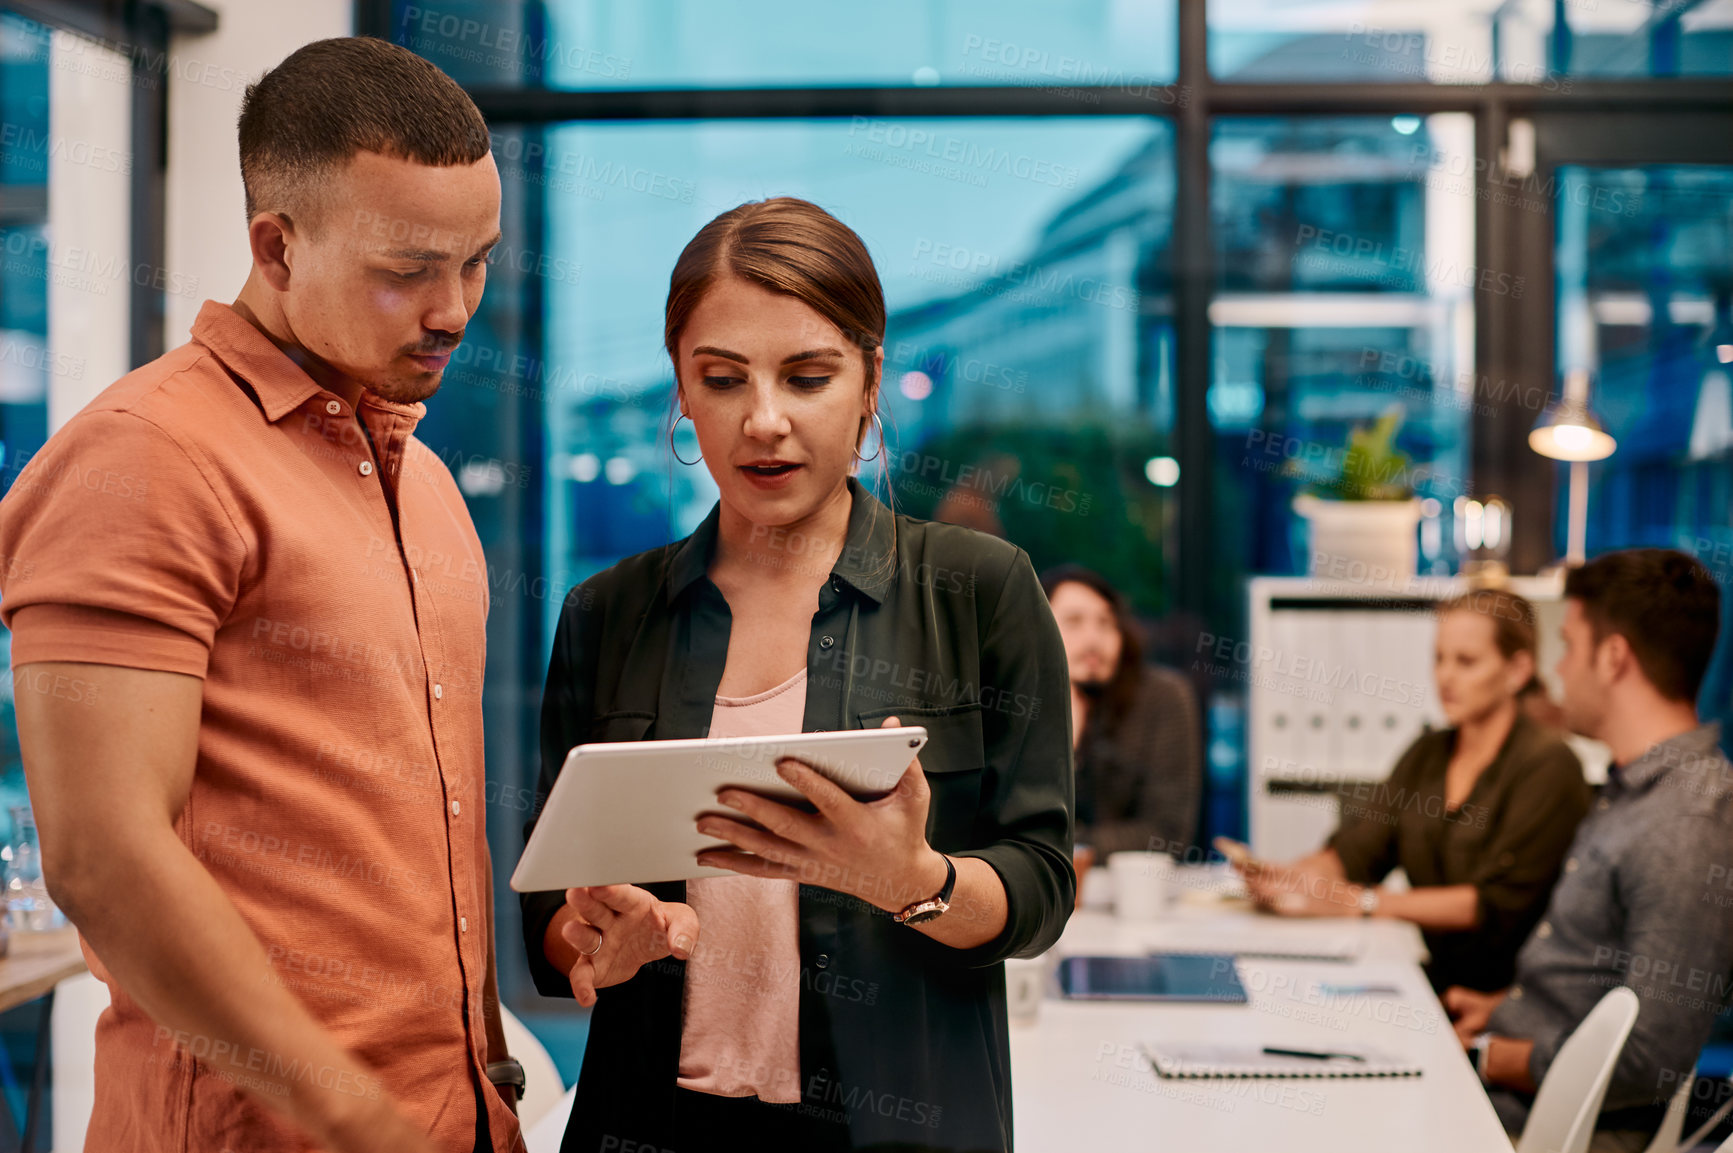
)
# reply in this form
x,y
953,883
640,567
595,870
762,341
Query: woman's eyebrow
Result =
x,y
712,350
808,354
813,354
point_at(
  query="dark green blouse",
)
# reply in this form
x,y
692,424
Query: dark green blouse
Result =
x,y
942,627
1507,839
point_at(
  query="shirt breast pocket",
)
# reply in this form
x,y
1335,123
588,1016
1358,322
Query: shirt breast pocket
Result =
x,y
954,760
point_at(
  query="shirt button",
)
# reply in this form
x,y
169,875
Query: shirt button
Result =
x,y
1571,865
438,692
1543,930
366,468
1603,804
823,961
333,407
456,808
826,642
463,924
1516,992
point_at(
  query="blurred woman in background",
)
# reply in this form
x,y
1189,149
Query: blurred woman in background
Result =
x,y
1137,740
1478,815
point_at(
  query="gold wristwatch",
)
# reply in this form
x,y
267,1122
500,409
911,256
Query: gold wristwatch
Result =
x,y
923,911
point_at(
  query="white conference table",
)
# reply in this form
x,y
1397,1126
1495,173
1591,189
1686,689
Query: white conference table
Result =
x,y
1079,1081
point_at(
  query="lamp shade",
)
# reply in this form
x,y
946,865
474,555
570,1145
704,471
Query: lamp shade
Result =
x,y
1567,430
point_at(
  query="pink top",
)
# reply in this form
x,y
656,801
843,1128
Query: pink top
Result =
x,y
740,1034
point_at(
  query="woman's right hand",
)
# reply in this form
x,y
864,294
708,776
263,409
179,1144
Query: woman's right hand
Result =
x,y
609,932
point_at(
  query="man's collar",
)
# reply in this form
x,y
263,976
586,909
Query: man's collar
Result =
x,y
866,562
1684,751
280,384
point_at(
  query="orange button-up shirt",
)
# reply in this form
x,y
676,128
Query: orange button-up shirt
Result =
x,y
218,513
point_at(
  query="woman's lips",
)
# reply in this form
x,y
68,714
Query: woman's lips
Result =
x,y
769,477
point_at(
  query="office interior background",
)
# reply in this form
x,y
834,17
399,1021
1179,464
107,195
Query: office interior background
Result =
x,y
1148,262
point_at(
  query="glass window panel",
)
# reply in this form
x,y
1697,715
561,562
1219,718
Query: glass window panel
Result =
x,y
579,44
24,354
1645,303
1540,42
1344,287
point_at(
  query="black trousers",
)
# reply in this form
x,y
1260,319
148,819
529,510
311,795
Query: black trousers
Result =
x,y
706,1123
483,1139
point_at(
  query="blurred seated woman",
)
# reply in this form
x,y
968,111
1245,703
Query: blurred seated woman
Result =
x,y
1138,743
1478,815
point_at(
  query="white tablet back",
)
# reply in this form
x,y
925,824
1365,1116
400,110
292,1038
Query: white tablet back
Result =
x,y
626,812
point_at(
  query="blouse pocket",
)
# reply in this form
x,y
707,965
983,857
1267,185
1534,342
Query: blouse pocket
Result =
x,y
954,760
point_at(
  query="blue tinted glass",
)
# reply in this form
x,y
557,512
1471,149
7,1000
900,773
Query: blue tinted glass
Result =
x,y
1645,303
1345,289
576,44
24,269
1028,352
1467,41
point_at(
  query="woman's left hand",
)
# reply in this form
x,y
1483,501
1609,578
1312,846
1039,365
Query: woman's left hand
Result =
x,y
875,850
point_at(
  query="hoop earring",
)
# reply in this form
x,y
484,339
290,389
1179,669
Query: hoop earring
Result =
x,y
676,451
877,452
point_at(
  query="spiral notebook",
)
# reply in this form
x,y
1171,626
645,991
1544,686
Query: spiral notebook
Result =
x,y
1241,1061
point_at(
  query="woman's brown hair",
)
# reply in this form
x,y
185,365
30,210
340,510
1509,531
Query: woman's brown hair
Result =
x,y
789,246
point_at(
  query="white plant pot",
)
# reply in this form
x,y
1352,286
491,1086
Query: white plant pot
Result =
x,y
1363,541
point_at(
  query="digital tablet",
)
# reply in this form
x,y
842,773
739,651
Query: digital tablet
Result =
x,y
1157,977
626,812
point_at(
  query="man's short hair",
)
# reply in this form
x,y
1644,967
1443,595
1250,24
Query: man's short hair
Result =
x,y
1666,606
333,98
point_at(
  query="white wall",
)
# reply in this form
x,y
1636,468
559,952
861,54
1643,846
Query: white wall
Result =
x,y
207,223
89,223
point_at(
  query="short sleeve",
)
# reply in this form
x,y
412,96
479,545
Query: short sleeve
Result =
x,y
116,550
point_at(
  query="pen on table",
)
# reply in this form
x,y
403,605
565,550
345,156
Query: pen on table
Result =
x,y
1357,990
1311,1055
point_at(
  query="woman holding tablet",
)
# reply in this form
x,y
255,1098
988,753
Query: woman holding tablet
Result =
x,y
845,989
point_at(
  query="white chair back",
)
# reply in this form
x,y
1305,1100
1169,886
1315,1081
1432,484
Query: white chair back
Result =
x,y
1666,1139
1569,1101
542,1085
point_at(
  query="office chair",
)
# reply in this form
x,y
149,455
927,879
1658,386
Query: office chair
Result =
x,y
1569,1100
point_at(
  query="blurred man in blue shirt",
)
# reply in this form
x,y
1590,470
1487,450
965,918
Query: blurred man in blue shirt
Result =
x,y
1637,904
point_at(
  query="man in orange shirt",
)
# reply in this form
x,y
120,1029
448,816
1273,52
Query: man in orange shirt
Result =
x,y
263,808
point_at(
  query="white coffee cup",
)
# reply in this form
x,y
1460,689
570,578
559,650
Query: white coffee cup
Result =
x,y
1140,884
1025,987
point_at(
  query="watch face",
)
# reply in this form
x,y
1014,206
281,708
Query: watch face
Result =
x,y
926,914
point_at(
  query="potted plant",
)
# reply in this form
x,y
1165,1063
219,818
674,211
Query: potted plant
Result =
x,y
1360,507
